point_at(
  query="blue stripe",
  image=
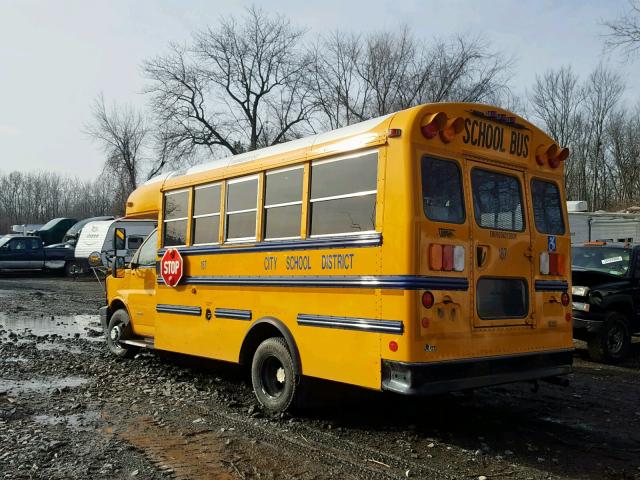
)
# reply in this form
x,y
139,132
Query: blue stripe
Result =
x,y
179,309
552,285
233,313
401,282
351,323
368,240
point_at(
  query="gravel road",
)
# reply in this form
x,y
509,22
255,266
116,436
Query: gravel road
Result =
x,y
68,410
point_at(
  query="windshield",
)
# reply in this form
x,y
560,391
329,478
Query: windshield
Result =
x,y
614,261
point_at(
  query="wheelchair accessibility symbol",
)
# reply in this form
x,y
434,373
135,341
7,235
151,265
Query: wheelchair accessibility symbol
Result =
x,y
551,242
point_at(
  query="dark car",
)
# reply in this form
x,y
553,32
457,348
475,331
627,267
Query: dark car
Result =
x,y
606,298
19,252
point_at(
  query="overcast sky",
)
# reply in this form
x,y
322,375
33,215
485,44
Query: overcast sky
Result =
x,y
56,56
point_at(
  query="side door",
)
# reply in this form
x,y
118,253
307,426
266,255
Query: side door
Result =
x,y
501,246
35,253
17,256
142,287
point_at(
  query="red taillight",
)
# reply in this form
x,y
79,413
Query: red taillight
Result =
x,y
564,298
567,316
424,322
432,124
427,299
430,131
447,258
393,346
556,264
394,132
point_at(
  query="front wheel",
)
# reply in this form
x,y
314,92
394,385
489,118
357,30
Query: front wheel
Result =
x,y
119,329
273,376
613,342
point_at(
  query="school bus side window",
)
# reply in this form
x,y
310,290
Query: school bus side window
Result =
x,y
343,195
497,200
547,207
206,214
442,191
283,203
176,206
242,207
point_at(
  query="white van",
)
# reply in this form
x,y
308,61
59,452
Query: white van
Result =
x,y
97,237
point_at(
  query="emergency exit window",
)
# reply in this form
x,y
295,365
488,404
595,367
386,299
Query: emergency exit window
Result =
x,y
547,207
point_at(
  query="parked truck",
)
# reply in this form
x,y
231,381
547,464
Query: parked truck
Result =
x,y
606,297
22,252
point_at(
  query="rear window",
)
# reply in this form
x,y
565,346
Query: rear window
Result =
x,y
501,298
497,200
547,207
442,191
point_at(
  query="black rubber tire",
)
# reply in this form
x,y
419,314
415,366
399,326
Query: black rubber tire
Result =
x,y
273,376
120,320
612,343
72,269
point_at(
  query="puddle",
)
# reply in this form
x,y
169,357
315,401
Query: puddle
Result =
x,y
43,385
14,360
57,347
76,421
67,326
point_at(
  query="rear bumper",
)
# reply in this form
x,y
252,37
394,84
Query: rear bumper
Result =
x,y
104,316
450,376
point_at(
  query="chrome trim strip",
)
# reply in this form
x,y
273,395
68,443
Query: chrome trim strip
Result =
x,y
400,282
233,313
179,309
369,240
350,323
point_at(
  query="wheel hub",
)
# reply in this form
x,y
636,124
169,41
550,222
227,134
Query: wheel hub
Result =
x,y
280,375
115,333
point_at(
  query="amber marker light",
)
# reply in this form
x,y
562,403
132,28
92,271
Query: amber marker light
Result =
x,y
452,128
544,153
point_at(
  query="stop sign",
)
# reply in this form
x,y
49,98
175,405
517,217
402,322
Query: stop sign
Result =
x,y
171,267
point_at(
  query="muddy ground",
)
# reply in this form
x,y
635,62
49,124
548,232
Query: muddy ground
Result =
x,y
68,410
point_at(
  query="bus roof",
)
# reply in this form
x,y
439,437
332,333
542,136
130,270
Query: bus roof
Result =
x,y
145,201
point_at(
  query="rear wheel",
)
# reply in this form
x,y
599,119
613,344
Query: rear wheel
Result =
x,y
120,329
273,376
72,269
612,343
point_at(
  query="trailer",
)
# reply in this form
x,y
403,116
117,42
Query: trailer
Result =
x,y
602,226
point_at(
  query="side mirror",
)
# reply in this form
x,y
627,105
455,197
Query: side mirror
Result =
x,y
118,267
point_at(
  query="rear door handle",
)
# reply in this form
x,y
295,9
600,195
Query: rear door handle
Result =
x,y
482,252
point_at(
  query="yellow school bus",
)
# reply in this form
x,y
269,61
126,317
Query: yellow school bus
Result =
x,y
421,252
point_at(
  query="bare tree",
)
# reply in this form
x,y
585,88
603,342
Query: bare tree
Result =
x,y
241,85
624,31
121,131
356,78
